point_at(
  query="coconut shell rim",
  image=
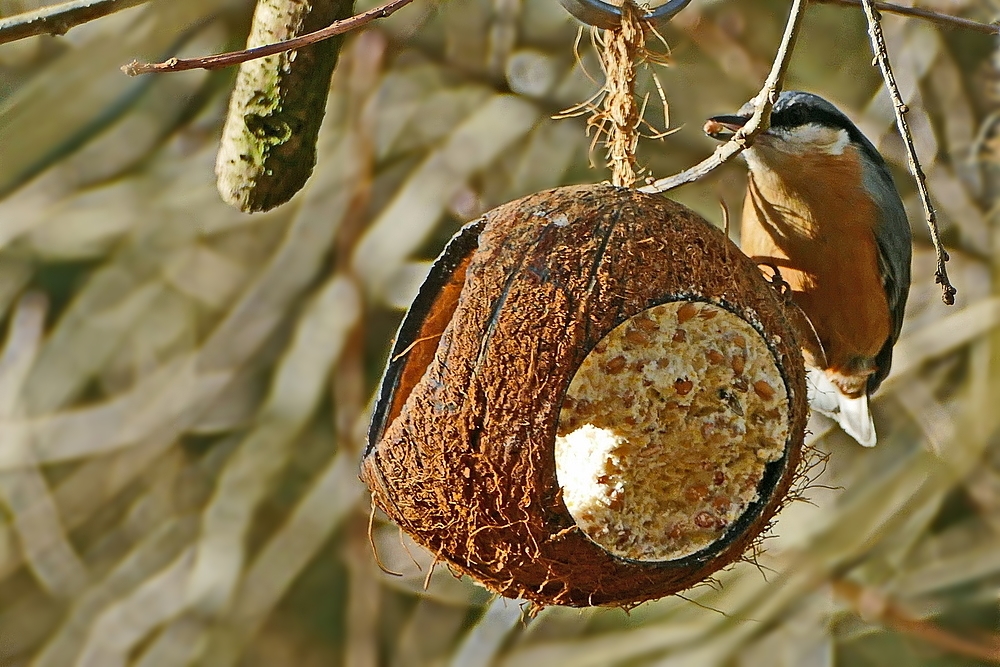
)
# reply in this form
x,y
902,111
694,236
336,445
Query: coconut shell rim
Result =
x,y
459,246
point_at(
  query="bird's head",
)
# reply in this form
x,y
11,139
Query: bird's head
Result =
x,y
803,125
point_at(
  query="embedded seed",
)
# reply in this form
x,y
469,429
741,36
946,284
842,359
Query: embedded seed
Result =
x,y
646,324
715,357
718,478
705,520
636,337
683,387
707,314
616,365
680,336
763,389
686,312
739,364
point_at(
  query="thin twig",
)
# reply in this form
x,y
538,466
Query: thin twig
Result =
x,y
221,60
759,121
926,14
882,57
57,19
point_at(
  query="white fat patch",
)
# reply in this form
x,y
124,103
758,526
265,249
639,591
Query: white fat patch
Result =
x,y
810,138
583,457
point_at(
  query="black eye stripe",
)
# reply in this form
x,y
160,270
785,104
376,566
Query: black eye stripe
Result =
x,y
800,114
796,115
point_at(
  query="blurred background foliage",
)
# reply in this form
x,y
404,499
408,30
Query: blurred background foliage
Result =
x,y
184,389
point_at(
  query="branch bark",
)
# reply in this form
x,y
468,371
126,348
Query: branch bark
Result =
x,y
268,146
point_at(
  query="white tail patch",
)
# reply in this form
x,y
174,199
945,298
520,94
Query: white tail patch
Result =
x,y
852,414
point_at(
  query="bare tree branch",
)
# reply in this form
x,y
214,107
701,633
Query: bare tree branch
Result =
x,y
57,19
882,57
221,60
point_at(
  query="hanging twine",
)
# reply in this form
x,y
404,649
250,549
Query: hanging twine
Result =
x,y
622,48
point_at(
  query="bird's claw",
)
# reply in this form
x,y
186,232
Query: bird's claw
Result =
x,y
776,281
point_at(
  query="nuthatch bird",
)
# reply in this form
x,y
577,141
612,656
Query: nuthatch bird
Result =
x,y
822,210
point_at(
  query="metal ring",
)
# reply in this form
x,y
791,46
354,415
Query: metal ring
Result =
x,y
602,15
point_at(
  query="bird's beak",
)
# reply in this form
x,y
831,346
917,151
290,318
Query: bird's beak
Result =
x,y
723,128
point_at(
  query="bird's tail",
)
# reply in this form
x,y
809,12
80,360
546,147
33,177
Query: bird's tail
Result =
x,y
851,413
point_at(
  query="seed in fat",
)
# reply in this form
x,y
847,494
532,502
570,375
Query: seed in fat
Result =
x,y
646,324
616,365
739,364
636,337
686,312
763,389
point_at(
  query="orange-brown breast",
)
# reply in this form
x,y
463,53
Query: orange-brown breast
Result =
x,y
811,219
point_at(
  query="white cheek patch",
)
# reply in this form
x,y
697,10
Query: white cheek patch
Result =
x,y
813,138
840,142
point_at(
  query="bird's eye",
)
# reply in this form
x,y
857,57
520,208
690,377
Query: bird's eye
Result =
x,y
797,115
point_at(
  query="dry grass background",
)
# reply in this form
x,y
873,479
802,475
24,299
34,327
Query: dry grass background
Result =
x,y
184,389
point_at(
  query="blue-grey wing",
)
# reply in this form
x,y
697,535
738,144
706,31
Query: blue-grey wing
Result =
x,y
893,237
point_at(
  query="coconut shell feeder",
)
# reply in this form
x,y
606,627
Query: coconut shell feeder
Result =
x,y
595,399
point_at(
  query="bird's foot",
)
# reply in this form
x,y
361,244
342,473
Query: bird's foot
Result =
x,y
778,282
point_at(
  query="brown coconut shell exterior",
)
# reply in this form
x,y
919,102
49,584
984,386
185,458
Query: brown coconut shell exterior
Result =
x,y
462,453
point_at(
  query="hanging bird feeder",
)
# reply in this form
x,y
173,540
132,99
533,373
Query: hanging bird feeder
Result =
x,y
595,399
